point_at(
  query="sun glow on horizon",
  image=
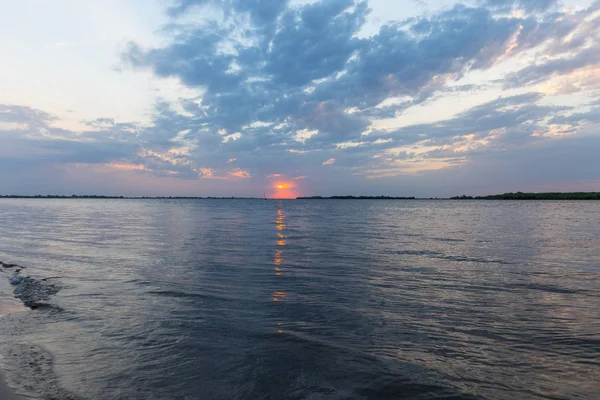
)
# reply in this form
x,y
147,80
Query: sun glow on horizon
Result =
x,y
283,190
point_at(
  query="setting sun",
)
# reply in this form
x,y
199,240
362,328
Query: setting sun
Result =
x,y
283,190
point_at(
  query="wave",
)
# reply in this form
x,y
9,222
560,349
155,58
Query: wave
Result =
x,y
449,257
550,288
34,292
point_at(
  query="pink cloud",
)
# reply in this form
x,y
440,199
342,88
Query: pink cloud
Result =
x,y
240,173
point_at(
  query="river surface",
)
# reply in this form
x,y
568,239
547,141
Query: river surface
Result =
x,y
300,299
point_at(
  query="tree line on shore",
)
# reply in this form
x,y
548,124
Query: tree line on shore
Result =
x,y
535,196
93,196
355,198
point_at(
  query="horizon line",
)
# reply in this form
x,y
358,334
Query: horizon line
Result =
x,y
506,195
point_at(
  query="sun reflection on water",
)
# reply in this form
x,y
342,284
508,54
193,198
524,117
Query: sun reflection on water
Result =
x,y
279,295
277,262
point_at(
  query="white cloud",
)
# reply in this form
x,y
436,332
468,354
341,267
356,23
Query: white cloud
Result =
x,y
232,137
303,135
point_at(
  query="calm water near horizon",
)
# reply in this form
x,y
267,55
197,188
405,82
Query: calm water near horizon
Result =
x,y
302,299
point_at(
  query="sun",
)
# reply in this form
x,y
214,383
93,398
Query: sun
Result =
x,y
283,189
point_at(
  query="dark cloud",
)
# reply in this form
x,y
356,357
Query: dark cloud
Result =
x,y
395,63
385,111
333,124
101,122
24,115
41,143
313,67
193,57
315,42
579,118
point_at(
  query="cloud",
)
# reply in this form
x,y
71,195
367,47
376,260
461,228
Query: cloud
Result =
x,y
501,113
541,72
592,116
527,5
314,74
40,142
314,42
206,172
313,67
500,125
240,173
24,115
282,86
262,12
399,61
304,134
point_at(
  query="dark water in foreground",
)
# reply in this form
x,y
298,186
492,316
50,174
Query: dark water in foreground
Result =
x,y
219,299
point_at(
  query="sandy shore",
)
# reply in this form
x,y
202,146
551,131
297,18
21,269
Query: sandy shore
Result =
x,y
7,393
8,304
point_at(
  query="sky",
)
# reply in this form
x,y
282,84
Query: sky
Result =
x,y
286,98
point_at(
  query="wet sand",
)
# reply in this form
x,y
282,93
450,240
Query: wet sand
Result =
x,y
8,305
8,302
6,393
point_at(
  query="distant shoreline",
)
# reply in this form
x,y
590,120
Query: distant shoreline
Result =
x,y
504,196
535,196
128,197
359,198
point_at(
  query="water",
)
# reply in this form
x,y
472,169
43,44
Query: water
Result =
x,y
333,299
